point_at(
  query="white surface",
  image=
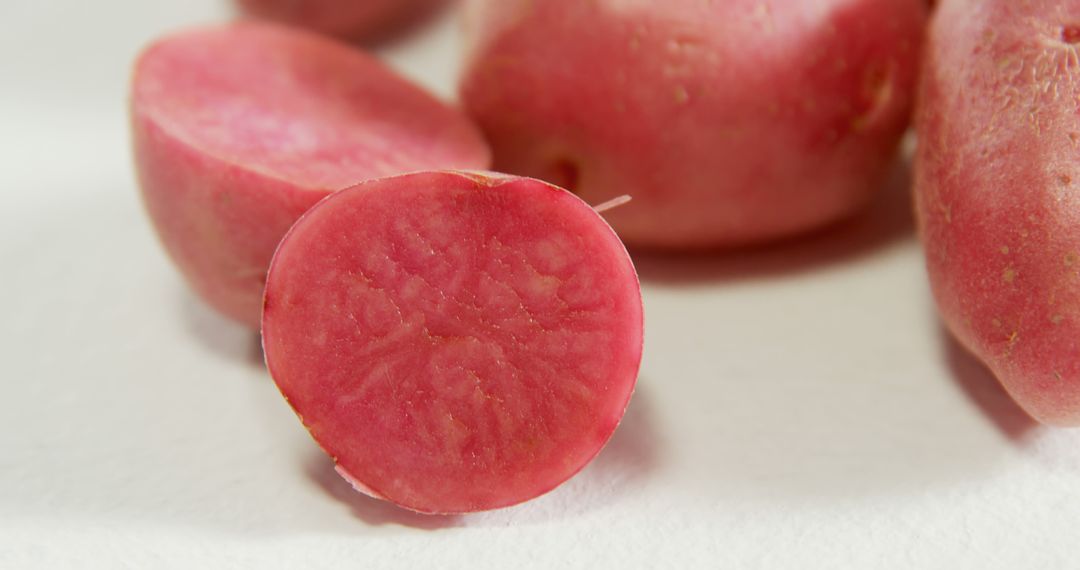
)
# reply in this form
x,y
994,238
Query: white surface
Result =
x,y
798,407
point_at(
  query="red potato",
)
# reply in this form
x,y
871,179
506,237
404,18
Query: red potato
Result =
x,y
239,129
455,341
351,19
728,122
996,175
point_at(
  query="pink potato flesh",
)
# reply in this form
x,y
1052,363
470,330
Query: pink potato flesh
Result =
x,y
239,129
352,19
996,176
728,122
455,341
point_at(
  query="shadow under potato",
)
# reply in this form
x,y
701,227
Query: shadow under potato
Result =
x,y
984,390
888,218
407,25
633,451
218,334
398,24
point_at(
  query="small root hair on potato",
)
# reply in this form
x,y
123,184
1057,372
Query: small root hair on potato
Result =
x,y
612,203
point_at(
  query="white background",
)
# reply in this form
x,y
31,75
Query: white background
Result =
x,y
799,406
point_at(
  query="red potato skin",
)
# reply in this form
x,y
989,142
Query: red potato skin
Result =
x,y
218,221
456,341
996,175
239,129
728,122
348,19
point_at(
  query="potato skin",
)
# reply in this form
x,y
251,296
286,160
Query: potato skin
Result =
x,y
996,176
347,19
219,222
728,122
303,116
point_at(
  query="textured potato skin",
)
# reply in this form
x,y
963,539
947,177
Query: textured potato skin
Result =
x,y
996,176
221,209
348,19
728,122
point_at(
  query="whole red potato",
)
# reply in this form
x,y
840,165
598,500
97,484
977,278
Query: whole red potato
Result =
x,y
728,122
996,183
